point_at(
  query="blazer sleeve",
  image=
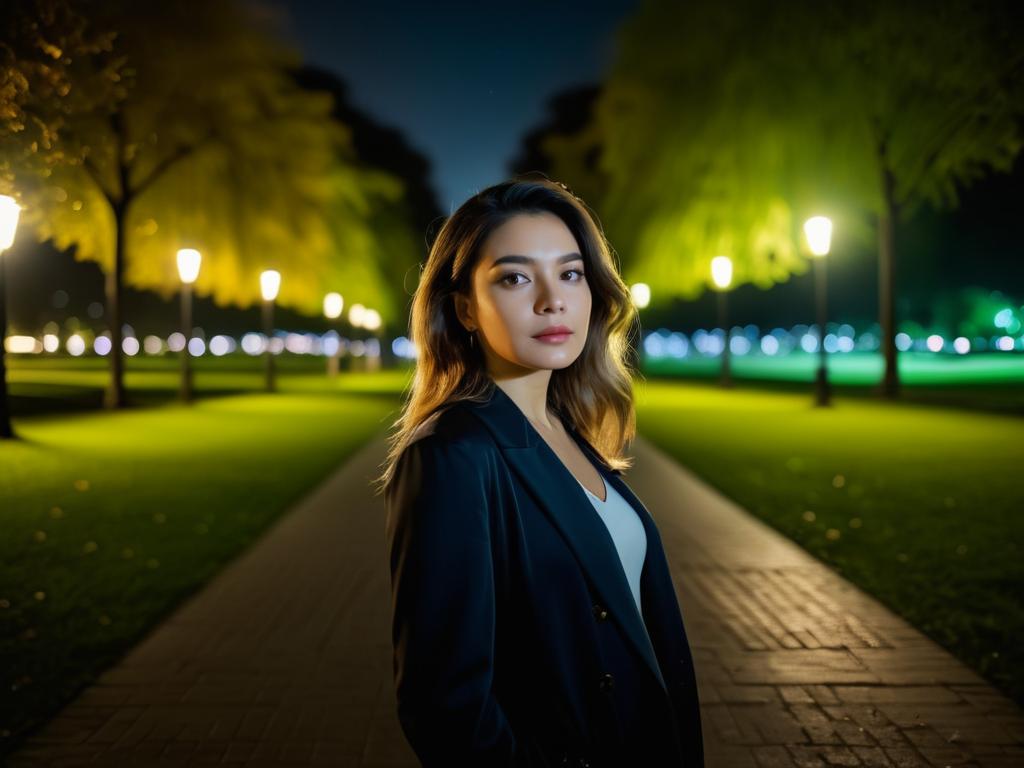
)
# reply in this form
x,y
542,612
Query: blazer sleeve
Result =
x,y
443,608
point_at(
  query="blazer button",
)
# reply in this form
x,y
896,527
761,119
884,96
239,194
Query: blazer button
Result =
x,y
607,682
600,613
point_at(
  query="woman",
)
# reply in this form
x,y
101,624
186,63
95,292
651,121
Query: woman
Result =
x,y
534,618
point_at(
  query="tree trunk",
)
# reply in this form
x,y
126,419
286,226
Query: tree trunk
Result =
x,y
890,384
114,397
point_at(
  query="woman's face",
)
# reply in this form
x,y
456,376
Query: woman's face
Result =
x,y
528,279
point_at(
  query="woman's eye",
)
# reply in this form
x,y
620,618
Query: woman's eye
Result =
x,y
577,271
506,278
510,278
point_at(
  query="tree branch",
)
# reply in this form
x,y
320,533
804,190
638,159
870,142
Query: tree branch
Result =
x,y
179,154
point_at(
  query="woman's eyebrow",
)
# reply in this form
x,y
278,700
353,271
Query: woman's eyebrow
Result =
x,y
517,259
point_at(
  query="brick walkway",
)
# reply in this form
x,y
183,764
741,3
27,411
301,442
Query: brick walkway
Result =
x,y
285,659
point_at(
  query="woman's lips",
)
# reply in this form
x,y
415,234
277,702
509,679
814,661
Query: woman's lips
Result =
x,y
553,338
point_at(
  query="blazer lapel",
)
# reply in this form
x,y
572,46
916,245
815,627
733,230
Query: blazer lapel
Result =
x,y
560,496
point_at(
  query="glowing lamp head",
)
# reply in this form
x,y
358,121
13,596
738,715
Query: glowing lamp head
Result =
x,y
333,304
356,315
371,320
9,212
270,284
189,260
721,271
641,293
818,230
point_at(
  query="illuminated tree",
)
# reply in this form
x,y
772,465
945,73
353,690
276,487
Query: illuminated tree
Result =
x,y
724,125
198,136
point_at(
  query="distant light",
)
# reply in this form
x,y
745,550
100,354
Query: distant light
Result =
x,y
333,304
189,260
51,343
721,271
153,345
809,342
818,230
196,347
253,344
1003,318
903,341
831,343
373,347
1005,343
94,310
372,320
102,344
220,345
739,345
22,345
654,345
935,343
358,348
176,342
769,345
9,212
75,345
845,344
356,313
677,346
276,344
130,345
641,293
962,345
330,344
297,344
403,348
270,284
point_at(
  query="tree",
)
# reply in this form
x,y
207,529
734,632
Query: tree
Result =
x,y
198,136
723,126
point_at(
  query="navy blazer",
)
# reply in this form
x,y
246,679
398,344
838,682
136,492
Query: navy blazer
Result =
x,y
517,641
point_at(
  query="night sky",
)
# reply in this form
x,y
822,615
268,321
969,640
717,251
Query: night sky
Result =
x,y
463,80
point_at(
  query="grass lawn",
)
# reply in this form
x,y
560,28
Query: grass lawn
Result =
x,y
918,505
111,519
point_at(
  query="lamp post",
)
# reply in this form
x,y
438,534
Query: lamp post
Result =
x,y
640,293
270,284
333,304
356,315
818,230
721,274
189,260
372,323
9,212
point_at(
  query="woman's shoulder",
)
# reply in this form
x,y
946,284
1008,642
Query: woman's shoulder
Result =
x,y
453,424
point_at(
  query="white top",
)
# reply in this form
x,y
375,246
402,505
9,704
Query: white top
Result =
x,y
627,532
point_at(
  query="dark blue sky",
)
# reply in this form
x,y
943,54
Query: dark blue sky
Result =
x,y
464,80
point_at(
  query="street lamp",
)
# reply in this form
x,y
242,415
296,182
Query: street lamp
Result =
x,y
818,230
640,293
333,304
270,284
9,212
372,322
189,260
721,274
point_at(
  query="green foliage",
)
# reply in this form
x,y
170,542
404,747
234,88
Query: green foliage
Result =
x,y
724,126
199,137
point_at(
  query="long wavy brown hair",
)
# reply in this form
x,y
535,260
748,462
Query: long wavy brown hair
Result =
x,y
594,393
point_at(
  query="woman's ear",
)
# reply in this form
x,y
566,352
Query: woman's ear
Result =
x,y
464,311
